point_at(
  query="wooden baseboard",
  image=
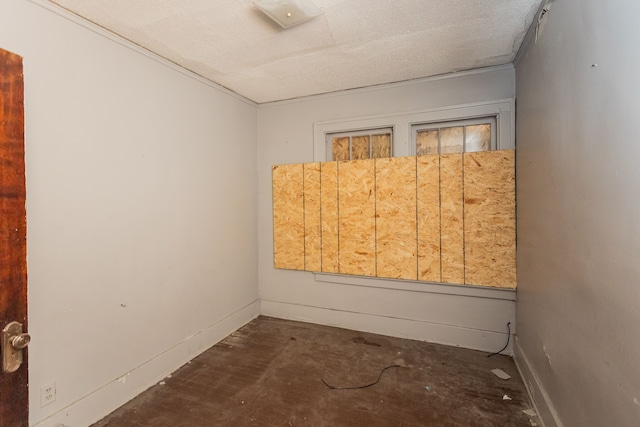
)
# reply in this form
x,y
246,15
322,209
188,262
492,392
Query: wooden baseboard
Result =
x,y
111,396
537,393
460,336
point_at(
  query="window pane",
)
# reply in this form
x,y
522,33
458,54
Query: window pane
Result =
x,y
451,140
360,147
478,138
427,142
341,148
381,146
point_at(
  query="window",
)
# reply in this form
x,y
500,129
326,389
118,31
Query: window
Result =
x,y
470,127
356,145
455,137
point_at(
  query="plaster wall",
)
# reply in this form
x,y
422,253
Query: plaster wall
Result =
x,y
454,315
141,210
578,308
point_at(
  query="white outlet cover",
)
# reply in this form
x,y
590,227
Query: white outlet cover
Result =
x,y
47,394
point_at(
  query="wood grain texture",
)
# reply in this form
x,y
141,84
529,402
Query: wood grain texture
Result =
x,y
329,216
451,218
13,230
428,202
288,217
381,145
341,148
360,147
489,218
356,204
312,225
396,232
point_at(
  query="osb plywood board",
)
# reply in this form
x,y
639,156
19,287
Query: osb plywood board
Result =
x,y
381,145
489,218
396,238
451,219
341,150
312,227
329,216
288,217
360,147
356,205
428,202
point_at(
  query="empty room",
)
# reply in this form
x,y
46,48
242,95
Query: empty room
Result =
x,y
319,213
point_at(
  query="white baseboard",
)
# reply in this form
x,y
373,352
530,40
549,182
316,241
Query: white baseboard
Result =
x,y
537,393
111,396
459,336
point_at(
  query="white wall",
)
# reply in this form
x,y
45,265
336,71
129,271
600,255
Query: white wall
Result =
x,y
578,180
447,314
141,209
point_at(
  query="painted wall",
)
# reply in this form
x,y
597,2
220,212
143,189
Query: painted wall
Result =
x,y
448,314
141,209
578,309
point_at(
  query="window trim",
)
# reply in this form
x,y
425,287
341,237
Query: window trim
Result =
x,y
490,120
395,123
402,124
329,137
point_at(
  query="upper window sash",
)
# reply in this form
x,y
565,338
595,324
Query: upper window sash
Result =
x,y
403,125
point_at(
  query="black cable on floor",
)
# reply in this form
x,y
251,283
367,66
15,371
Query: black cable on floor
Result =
x,y
362,386
505,346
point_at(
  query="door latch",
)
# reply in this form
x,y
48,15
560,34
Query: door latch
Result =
x,y
13,342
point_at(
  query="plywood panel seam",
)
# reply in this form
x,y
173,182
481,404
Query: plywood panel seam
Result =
x,y
321,216
273,213
464,242
440,205
338,209
329,212
375,216
417,235
312,219
304,221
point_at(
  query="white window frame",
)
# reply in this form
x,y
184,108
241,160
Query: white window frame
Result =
x,y
403,124
363,132
456,123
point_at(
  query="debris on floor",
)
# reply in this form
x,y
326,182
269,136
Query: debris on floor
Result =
x,y
501,374
506,397
530,412
279,382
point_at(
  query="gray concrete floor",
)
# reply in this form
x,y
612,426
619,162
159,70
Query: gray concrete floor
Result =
x,y
271,373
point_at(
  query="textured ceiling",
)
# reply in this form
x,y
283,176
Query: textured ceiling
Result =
x,y
353,43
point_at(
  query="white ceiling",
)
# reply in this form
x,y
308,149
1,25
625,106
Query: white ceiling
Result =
x,y
353,43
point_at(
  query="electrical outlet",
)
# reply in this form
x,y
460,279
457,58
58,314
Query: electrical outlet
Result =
x,y
47,394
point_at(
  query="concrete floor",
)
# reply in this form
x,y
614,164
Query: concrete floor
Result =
x,y
271,373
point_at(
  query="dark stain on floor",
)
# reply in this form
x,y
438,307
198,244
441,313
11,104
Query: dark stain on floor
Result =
x,y
271,373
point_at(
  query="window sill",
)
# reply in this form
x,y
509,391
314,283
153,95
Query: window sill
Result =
x,y
415,286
